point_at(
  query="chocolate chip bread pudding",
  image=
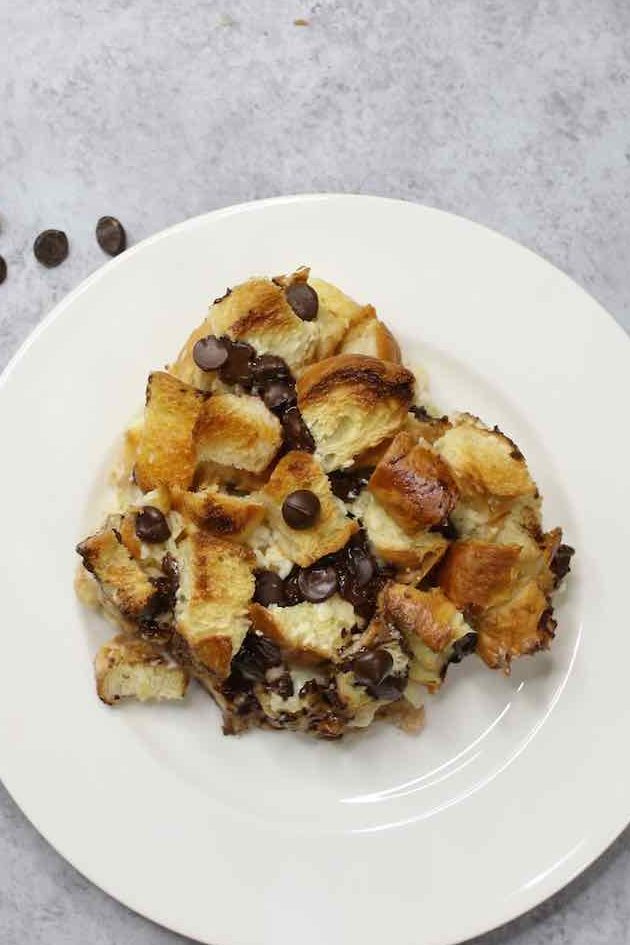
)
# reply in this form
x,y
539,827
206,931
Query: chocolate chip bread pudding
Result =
x,y
300,532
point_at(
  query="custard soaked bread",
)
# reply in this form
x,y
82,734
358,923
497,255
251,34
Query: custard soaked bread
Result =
x,y
303,536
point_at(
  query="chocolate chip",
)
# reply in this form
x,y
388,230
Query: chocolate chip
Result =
x,y
348,485
3,269
317,583
292,593
283,685
238,366
171,569
300,509
362,565
446,529
209,353
151,525
371,666
268,368
111,236
279,396
420,413
269,588
391,688
463,647
51,248
303,300
561,562
256,655
297,435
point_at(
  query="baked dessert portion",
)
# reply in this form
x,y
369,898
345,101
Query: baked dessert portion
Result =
x,y
299,532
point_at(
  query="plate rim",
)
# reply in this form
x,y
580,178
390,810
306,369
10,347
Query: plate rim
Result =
x,y
592,849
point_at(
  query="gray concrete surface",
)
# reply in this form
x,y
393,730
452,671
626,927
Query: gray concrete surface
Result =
x,y
511,112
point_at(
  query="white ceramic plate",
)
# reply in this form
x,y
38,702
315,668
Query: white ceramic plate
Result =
x,y
516,783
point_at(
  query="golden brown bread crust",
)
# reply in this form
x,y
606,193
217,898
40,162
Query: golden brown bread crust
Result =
x,y
370,336
236,431
226,516
166,455
216,587
129,667
484,461
121,579
519,627
416,554
351,403
309,632
425,614
332,528
368,380
414,485
478,573
257,312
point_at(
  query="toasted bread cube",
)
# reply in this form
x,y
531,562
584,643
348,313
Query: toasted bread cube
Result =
x,y
350,403
237,431
520,626
314,631
414,485
215,590
165,454
331,530
484,461
418,553
337,314
226,516
122,581
431,625
370,336
257,312
131,668
478,573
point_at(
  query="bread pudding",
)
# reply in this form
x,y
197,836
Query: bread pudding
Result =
x,y
298,531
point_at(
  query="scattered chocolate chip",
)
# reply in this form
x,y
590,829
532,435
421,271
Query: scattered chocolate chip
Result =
x,y
303,300
268,368
297,435
51,248
317,583
310,688
269,588
463,647
237,369
300,509
3,269
420,413
151,525
362,565
348,485
220,299
111,236
279,396
561,562
209,353
391,688
256,655
371,666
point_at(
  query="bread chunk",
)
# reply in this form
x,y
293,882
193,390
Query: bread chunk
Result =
x,y
331,530
130,668
417,553
222,515
122,581
414,485
314,631
236,431
257,312
350,403
215,590
165,453
370,336
484,461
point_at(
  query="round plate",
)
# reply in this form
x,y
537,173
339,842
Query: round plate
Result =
x,y
516,783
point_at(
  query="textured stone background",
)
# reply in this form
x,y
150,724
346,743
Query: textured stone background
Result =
x,y
512,113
